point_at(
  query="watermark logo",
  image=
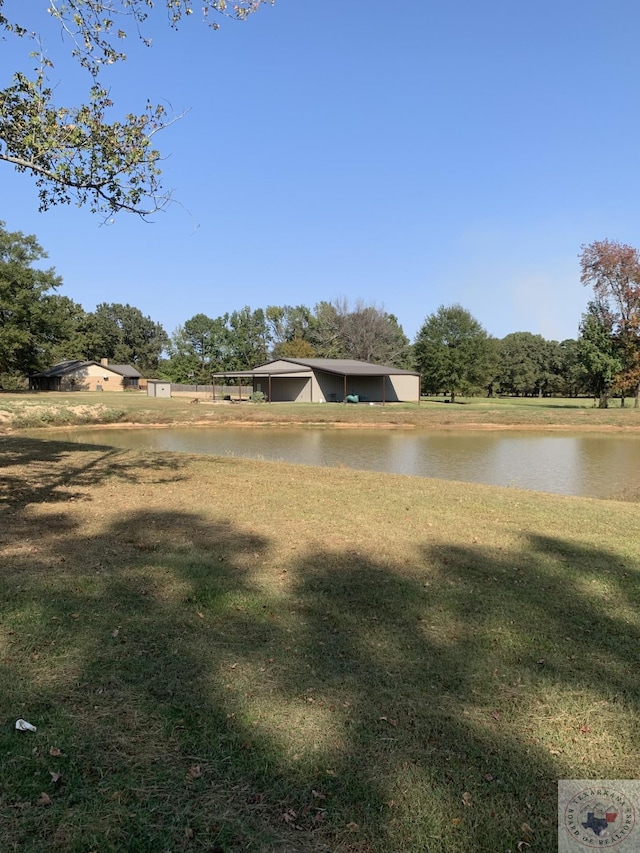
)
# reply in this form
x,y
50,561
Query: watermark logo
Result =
x,y
598,815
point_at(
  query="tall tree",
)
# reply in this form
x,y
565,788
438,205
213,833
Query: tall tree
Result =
x,y
597,353
612,269
529,365
64,340
197,349
365,332
124,335
325,333
288,324
248,339
35,321
572,370
453,353
90,151
371,334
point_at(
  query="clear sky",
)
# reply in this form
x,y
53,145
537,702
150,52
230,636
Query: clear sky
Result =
x,y
409,154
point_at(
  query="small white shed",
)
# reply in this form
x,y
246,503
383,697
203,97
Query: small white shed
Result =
x,y
158,388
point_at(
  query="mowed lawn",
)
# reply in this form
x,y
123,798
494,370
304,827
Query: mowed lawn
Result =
x,y
53,409
227,655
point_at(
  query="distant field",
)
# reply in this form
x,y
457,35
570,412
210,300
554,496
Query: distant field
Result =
x,y
33,410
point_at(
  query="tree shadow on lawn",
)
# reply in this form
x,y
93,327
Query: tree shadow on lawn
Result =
x,y
59,470
204,692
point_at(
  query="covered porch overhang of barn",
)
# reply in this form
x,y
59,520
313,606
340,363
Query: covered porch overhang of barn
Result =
x,y
267,375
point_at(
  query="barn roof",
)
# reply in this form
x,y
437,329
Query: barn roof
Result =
x,y
339,366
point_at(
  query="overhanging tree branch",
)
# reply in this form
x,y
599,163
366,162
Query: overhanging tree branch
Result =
x,y
76,153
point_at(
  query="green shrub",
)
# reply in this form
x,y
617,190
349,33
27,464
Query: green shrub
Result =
x,y
12,382
113,416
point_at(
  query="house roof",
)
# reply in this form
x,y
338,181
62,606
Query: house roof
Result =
x,y
340,366
125,369
66,367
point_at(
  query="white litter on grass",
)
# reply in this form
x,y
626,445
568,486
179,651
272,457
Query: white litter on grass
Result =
x,y
24,726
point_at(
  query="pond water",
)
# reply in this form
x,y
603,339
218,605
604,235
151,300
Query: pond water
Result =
x,y
593,465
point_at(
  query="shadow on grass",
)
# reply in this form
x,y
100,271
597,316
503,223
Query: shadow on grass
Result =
x,y
64,469
205,694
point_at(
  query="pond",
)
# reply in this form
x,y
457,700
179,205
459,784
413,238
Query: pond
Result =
x,y
589,464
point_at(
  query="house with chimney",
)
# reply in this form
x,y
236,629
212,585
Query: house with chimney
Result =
x,y
80,375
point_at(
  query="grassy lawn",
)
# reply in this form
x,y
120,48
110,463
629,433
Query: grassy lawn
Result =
x,y
51,409
231,655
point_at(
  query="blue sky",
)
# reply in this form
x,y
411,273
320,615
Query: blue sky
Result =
x,y
411,155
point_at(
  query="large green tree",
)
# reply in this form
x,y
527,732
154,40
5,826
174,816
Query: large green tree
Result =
x,y
36,324
124,335
64,338
529,365
453,353
572,371
197,349
248,339
597,353
94,152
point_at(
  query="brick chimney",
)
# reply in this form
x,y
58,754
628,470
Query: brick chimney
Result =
x,y
104,362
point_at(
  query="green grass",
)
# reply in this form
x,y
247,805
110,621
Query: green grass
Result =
x,y
53,409
259,656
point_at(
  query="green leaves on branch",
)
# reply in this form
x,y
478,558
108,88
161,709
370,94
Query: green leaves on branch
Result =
x,y
97,28
82,153
75,154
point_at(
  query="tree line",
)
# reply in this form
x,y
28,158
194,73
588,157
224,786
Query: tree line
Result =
x,y
452,351
456,355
